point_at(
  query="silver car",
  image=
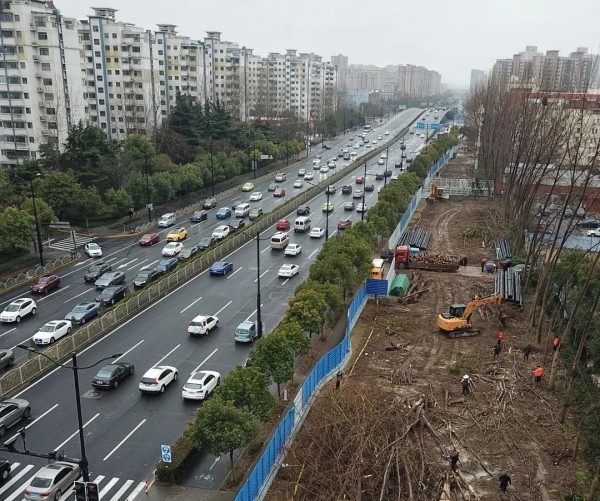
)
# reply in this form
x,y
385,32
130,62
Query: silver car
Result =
x,y
52,481
12,411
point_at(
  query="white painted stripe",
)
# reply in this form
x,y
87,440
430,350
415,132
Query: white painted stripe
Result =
x,y
108,487
141,486
122,490
159,362
81,294
98,479
129,350
285,281
13,298
313,253
265,250
58,447
35,421
217,313
136,265
8,332
15,477
239,269
190,305
43,298
148,265
124,440
83,262
252,314
19,492
204,361
119,261
262,275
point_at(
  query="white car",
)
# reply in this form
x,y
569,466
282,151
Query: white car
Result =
x,y
331,164
221,232
422,136
316,233
292,250
593,233
374,141
383,155
256,196
172,249
308,176
301,172
18,309
379,137
324,169
203,324
387,132
93,250
155,380
381,161
288,270
368,145
52,331
353,153
361,208
200,385
357,194
357,146
298,184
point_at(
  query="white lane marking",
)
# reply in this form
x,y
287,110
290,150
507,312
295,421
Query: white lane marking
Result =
x,y
124,440
159,362
265,249
262,275
13,298
125,265
50,295
35,421
118,261
141,486
122,490
81,294
205,360
148,265
98,479
108,486
333,233
217,313
111,259
8,331
313,253
74,434
83,262
15,478
285,281
252,314
128,351
136,265
190,305
239,269
19,492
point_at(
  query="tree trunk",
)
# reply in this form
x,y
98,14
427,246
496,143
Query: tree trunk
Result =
x,y
231,464
278,391
595,487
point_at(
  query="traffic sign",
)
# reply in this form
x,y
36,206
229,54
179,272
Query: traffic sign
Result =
x,y
92,491
420,125
435,126
80,491
60,225
165,451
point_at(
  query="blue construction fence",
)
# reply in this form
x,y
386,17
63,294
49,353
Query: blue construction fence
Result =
x,y
266,468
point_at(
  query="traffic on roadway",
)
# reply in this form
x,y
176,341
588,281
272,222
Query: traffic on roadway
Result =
x,y
176,351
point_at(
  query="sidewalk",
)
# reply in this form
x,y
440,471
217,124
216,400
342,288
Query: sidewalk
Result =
x,y
177,493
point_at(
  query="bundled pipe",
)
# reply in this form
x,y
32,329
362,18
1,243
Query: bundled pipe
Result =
x,y
502,249
416,238
508,284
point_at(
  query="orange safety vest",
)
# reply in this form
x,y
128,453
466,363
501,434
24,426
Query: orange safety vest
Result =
x,y
500,336
538,372
556,341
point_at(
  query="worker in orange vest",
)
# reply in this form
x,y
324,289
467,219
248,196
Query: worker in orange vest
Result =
x,y
538,373
500,336
555,343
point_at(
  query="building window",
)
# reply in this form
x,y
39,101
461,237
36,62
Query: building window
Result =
x,y
96,41
114,35
42,35
50,111
95,29
45,66
48,96
47,81
44,51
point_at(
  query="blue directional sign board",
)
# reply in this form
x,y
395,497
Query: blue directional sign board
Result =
x,y
165,451
435,126
420,125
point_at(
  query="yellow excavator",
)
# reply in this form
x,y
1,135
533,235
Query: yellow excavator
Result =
x,y
457,322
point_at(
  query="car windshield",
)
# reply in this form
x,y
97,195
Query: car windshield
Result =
x,y
205,241
92,246
41,483
43,280
164,263
94,269
142,276
12,307
48,328
104,374
80,309
193,386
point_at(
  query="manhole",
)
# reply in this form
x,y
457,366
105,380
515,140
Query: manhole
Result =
x,y
93,394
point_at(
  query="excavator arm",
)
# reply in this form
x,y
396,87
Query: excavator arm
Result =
x,y
477,303
461,326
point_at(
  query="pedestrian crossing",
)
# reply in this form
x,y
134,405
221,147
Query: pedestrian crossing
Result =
x,y
111,489
66,244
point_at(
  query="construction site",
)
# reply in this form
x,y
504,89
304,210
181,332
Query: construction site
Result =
x,y
399,424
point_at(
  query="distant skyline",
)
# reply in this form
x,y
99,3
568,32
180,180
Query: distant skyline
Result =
x,y
449,37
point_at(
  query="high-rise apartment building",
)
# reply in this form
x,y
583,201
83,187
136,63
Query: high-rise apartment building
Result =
x,y
57,71
477,78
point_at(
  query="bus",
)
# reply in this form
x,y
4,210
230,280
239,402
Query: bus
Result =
x,y
367,128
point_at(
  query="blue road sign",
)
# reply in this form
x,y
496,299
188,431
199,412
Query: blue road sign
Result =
x,y
435,126
165,451
420,125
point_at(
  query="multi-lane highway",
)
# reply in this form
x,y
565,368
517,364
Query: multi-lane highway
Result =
x,y
124,429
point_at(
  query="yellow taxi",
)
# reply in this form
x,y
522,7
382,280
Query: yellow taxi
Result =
x,y
177,235
248,187
328,207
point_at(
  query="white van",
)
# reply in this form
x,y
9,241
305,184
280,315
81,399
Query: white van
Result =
x,y
167,220
301,224
280,240
242,210
317,161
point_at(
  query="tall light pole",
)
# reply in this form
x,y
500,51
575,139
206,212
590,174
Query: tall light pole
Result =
x,y
402,154
362,214
258,308
35,215
83,463
148,204
387,154
327,211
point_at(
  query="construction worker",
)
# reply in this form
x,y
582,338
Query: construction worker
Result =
x,y
555,343
502,317
338,382
505,480
483,261
526,352
497,349
500,336
538,373
454,459
466,384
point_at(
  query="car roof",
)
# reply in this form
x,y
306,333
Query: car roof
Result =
x,y
200,376
21,301
198,318
54,322
85,303
157,369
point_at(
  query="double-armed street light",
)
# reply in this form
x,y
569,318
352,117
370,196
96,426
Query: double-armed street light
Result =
x,y
83,462
327,211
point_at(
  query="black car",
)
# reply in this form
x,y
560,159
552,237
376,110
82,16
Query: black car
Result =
x,y
111,295
206,243
388,173
398,165
326,147
188,252
199,216
144,278
590,224
96,271
349,206
369,187
109,279
331,189
237,225
167,265
303,210
4,469
209,203
346,189
272,187
111,375
409,160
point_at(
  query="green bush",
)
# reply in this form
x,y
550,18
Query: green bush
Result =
x,y
181,453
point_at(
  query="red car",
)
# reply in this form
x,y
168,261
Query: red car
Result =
x,y
379,176
360,180
283,224
149,239
344,223
279,192
45,284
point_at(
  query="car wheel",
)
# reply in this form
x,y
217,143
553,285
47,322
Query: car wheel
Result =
x,y
4,475
82,321
112,301
27,412
175,376
57,495
18,319
69,330
116,385
2,431
162,389
52,340
34,311
45,291
218,381
11,361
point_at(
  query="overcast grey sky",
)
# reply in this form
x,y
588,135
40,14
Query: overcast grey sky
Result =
x,y
449,36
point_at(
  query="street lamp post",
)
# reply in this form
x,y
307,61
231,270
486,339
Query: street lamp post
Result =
x,y
83,462
362,214
387,154
258,308
402,155
35,216
212,167
148,205
327,212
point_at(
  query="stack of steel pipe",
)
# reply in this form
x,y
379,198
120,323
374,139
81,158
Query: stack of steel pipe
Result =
x,y
502,248
509,283
416,238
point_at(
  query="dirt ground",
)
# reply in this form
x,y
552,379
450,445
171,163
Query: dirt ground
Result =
x,y
403,364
